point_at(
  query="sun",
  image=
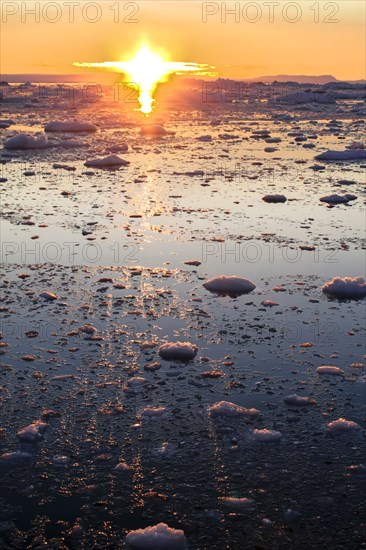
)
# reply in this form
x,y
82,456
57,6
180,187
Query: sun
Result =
x,y
147,69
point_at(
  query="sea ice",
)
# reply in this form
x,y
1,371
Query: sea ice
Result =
x,y
328,369
49,296
274,198
348,154
266,436
153,412
123,467
346,287
180,351
14,457
25,141
153,130
33,432
157,537
225,408
229,285
88,329
70,126
106,162
335,199
342,425
299,401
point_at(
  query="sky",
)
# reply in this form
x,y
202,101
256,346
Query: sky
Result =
x,y
241,39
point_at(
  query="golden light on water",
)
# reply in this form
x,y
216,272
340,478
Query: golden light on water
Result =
x,y
147,69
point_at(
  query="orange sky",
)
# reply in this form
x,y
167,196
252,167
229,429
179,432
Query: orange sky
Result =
x,y
239,49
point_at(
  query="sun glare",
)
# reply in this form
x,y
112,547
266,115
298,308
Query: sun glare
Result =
x,y
147,69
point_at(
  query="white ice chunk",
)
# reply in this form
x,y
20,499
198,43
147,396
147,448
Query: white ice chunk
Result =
x,y
266,436
340,426
180,351
229,285
346,287
329,369
225,408
157,537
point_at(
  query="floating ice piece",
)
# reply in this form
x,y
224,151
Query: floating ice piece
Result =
x,y
299,401
107,162
348,154
70,126
153,130
123,467
134,385
328,369
346,287
32,433
273,140
335,199
225,408
88,329
205,137
25,141
269,303
49,296
157,537
232,286
274,198
342,425
266,436
153,412
307,247
122,148
13,458
239,503
180,351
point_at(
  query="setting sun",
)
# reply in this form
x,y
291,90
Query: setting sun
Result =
x,y
147,69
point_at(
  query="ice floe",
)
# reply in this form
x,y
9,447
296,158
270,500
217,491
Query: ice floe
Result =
x,y
33,432
153,130
329,369
107,162
348,154
26,141
346,287
337,199
340,426
299,401
123,467
179,351
229,285
153,412
226,408
265,435
15,457
157,537
48,296
70,126
274,198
